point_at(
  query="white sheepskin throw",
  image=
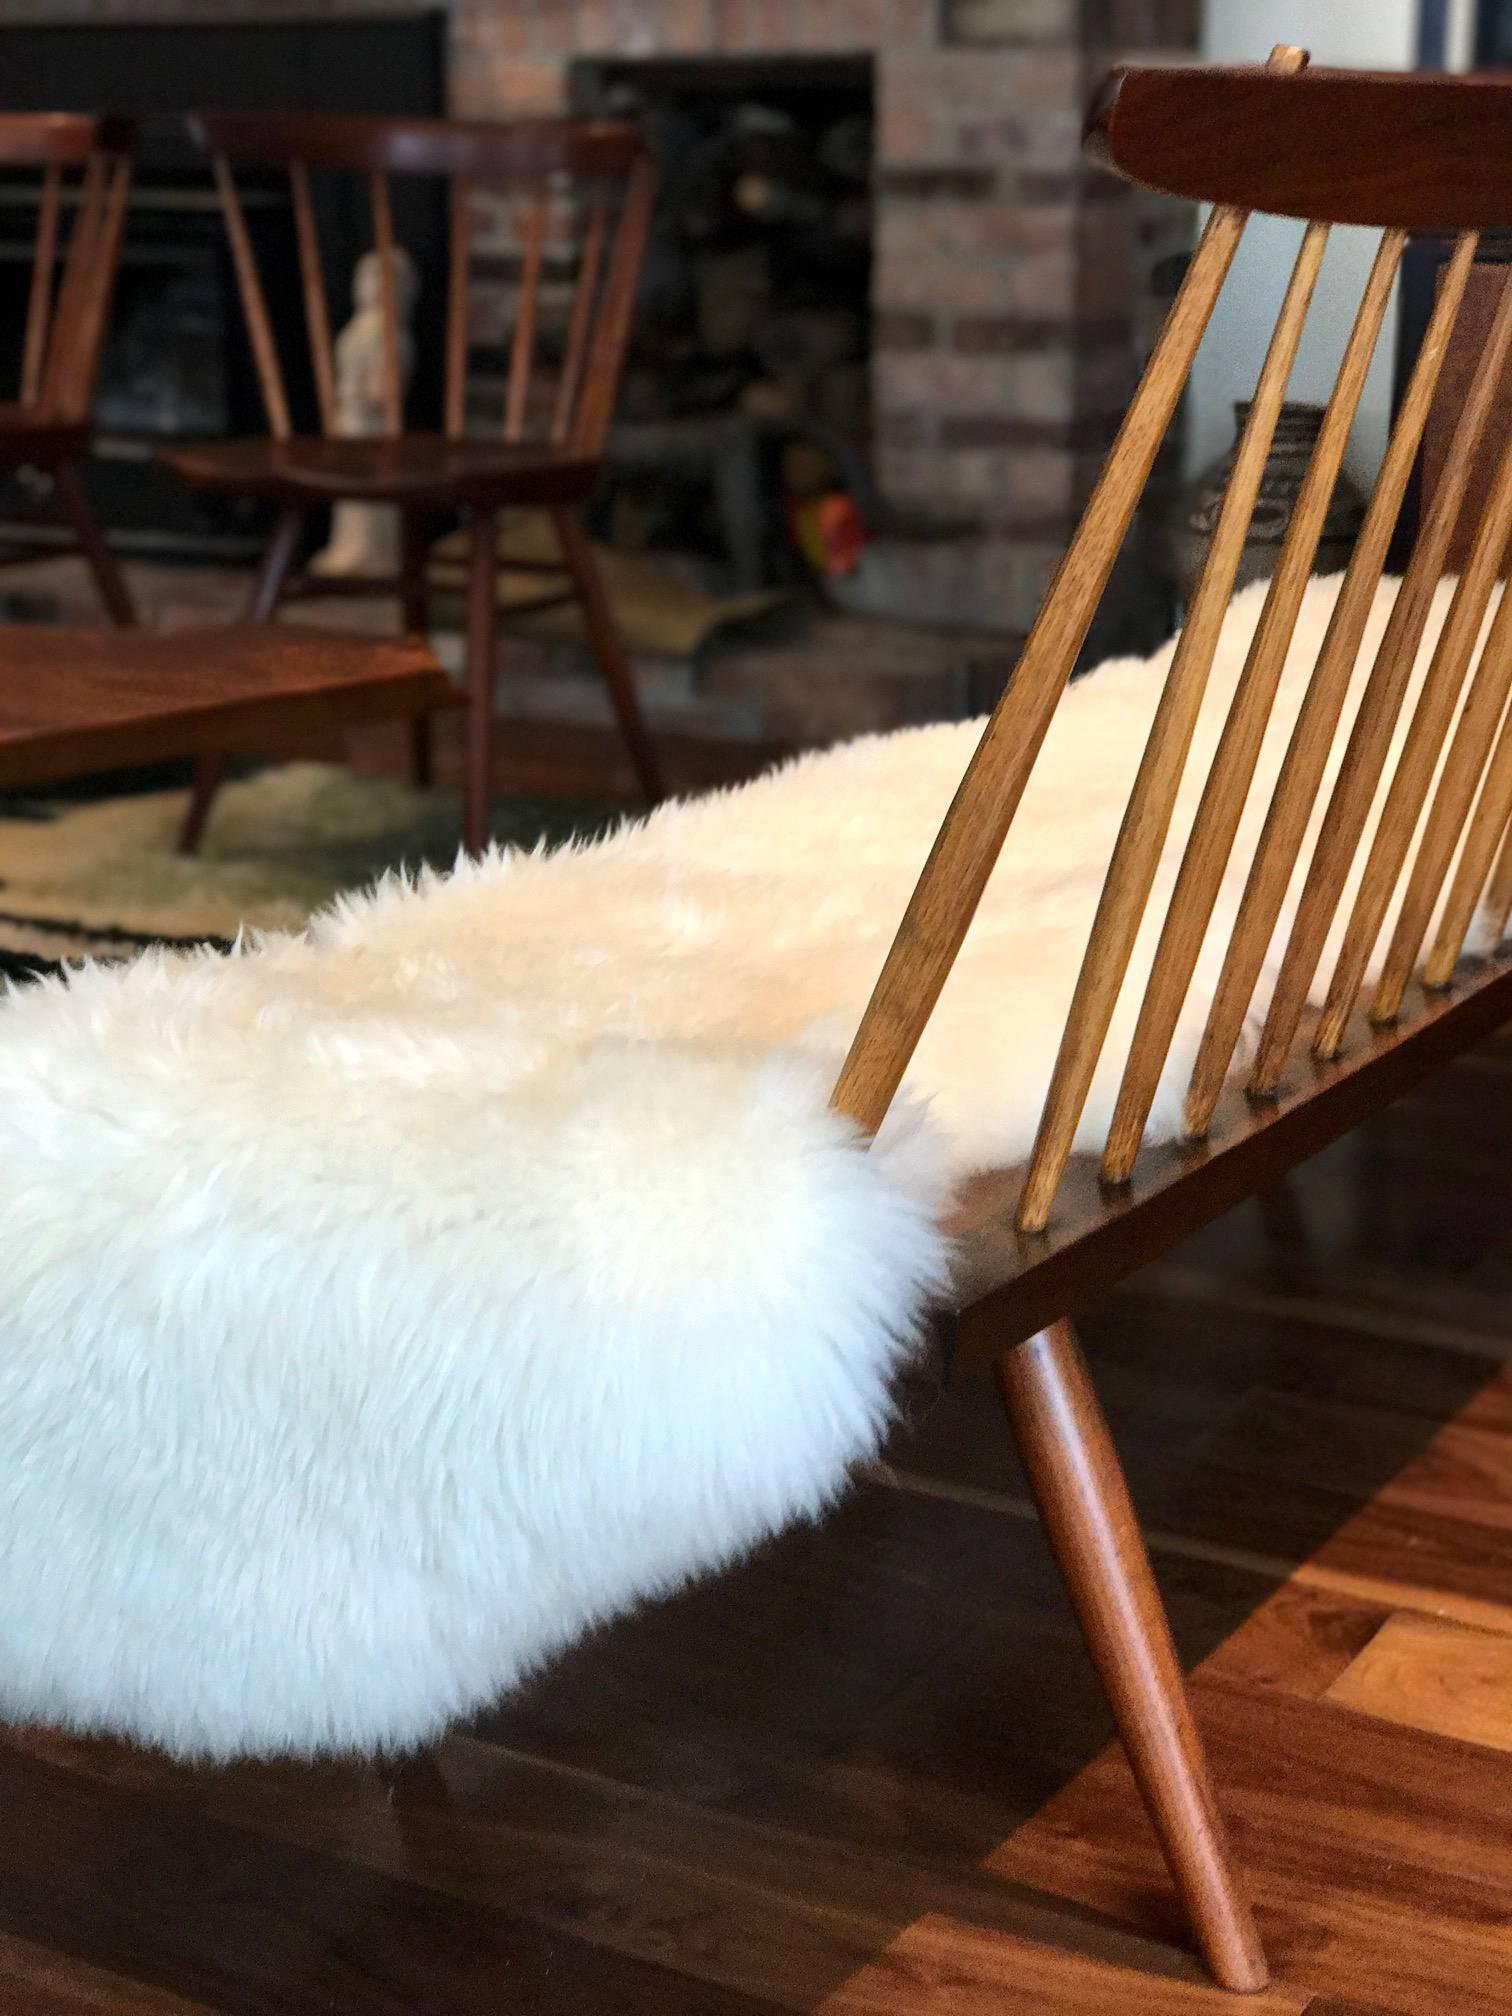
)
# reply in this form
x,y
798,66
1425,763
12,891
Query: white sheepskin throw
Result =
x,y
388,1304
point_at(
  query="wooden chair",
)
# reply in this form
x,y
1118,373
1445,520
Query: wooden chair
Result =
x,y
86,167
549,451
1399,154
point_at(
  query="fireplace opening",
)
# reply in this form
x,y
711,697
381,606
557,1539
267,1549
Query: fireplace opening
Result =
x,y
746,407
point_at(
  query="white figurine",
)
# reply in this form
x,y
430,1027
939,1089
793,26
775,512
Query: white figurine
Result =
x,y
365,537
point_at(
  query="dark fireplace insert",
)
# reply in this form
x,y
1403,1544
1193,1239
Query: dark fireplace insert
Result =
x,y
749,371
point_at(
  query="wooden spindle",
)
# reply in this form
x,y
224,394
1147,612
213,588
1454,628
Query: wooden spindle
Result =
x,y
39,299
610,337
1488,829
388,286
254,304
967,846
1498,905
82,336
79,260
457,320
312,278
1457,786
1419,758
522,348
579,324
1147,819
104,265
1370,736
1227,788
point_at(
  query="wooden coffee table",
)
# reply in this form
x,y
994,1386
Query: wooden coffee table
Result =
x,y
73,701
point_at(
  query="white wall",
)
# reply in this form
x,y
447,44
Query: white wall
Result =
x,y
1459,34
1353,34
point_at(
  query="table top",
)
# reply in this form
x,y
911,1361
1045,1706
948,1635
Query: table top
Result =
x,y
76,700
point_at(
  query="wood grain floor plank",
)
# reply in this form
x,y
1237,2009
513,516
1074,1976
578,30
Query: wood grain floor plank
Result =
x,y
37,1982
1334,2005
214,1913
1467,1475
778,1916
942,1966
1399,1314
1380,1858
1490,1411
1433,1676
1395,1543
1385,1594
1298,1642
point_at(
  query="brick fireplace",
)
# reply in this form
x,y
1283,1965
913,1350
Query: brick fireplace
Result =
x,y
1008,278
1012,293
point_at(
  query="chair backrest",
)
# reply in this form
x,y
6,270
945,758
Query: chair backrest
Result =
x,y
1399,154
85,168
580,194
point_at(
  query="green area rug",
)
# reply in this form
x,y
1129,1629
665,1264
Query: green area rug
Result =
x,y
105,878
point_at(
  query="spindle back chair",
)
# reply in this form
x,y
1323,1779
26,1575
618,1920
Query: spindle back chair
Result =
x,y
580,194
84,169
1400,154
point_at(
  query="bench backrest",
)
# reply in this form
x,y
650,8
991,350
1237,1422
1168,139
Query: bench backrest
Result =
x,y
1399,154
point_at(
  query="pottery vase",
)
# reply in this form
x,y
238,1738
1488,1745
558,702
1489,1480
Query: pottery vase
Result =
x,y
1190,524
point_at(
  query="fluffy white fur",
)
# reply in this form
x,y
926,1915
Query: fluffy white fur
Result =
x,y
387,1304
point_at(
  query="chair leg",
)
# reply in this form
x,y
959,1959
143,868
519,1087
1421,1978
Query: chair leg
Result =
x,y
1084,1502
482,661
415,614
101,561
603,635
262,605
273,569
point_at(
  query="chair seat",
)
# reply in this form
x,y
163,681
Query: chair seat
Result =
x,y
72,701
413,469
29,436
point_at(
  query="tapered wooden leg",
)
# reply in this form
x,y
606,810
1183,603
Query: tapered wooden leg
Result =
x,y
482,661
273,570
262,605
209,775
1084,1501
603,635
86,529
415,613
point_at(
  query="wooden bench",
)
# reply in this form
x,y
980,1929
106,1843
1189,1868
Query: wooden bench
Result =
x,y
1399,154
